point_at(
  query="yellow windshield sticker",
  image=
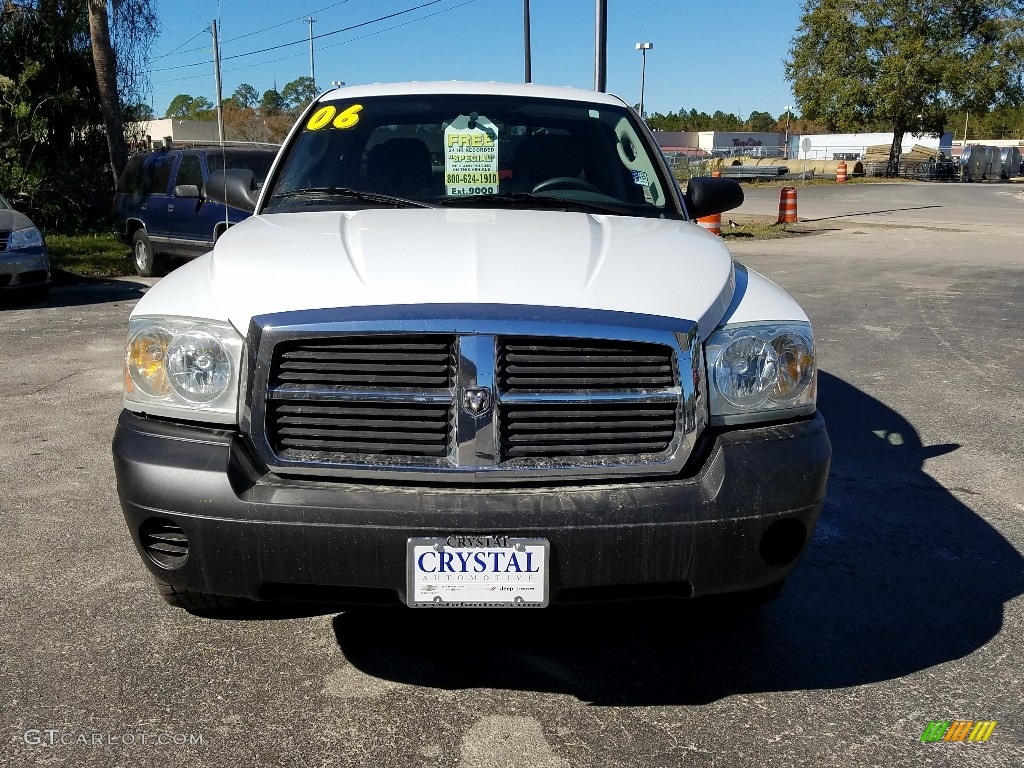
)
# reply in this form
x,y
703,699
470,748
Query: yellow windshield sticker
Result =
x,y
471,156
329,115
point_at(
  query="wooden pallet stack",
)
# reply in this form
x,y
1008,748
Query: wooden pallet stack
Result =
x,y
911,163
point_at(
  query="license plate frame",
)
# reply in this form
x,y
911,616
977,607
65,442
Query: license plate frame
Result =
x,y
439,576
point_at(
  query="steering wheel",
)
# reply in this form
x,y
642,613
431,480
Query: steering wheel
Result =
x,y
565,182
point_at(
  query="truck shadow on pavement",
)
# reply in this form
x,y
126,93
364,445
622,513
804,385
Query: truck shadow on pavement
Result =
x,y
74,291
900,576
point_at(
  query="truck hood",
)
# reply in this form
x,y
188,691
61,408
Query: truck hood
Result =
x,y
281,262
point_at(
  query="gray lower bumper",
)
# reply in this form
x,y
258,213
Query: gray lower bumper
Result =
x,y
738,521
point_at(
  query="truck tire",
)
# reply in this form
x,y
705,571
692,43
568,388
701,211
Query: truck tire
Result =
x,y
148,263
198,602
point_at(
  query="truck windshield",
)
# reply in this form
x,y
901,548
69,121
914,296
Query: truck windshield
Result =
x,y
480,151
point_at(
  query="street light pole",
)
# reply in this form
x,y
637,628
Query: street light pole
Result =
x,y
643,48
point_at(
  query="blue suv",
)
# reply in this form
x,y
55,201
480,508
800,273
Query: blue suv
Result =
x,y
159,207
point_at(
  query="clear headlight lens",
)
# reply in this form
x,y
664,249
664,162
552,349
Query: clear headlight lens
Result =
x,y
760,371
198,367
746,371
30,237
184,368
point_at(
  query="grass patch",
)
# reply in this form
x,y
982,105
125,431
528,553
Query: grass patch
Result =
x,y
753,230
90,255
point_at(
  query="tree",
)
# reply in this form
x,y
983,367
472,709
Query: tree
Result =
x,y
106,80
271,103
185,107
298,93
52,147
906,64
180,106
119,78
246,96
202,108
761,122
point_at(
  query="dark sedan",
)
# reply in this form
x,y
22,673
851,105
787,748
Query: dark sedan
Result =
x,y
24,259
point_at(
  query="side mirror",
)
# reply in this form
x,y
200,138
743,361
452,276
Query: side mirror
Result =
x,y
706,195
234,187
22,204
186,190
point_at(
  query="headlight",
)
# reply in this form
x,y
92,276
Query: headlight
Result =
x,y
183,368
30,237
761,371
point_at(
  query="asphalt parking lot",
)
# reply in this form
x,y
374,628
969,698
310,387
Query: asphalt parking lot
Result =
x,y
906,609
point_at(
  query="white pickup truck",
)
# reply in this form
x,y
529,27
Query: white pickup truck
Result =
x,y
470,350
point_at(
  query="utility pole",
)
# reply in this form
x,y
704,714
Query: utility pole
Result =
x,y
312,66
216,75
601,46
528,77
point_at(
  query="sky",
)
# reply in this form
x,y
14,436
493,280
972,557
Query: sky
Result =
x,y
709,55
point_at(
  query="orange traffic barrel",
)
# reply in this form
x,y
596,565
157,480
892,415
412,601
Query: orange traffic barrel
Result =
x,y
841,172
787,205
712,224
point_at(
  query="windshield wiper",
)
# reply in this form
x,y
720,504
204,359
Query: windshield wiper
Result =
x,y
347,193
527,199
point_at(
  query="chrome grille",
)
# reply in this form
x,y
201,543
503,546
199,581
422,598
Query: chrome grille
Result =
x,y
5,236
472,391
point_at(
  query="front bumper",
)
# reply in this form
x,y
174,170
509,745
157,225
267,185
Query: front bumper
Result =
x,y
738,521
24,267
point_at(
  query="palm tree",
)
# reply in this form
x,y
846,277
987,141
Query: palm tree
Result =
x,y
106,80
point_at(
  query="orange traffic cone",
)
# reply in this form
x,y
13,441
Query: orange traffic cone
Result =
x,y
841,172
787,206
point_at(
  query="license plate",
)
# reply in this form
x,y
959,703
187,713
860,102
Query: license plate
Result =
x,y
477,572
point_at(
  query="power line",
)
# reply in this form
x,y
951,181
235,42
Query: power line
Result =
x,y
258,31
197,34
247,67
305,41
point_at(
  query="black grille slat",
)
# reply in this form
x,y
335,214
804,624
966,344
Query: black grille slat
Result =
x,y
546,364
551,430
164,541
374,362
359,430
354,419
547,430
623,383
368,448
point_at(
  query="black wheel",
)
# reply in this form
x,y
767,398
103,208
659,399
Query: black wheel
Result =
x,y
198,602
148,262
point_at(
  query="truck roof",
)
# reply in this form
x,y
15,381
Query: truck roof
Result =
x,y
531,90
